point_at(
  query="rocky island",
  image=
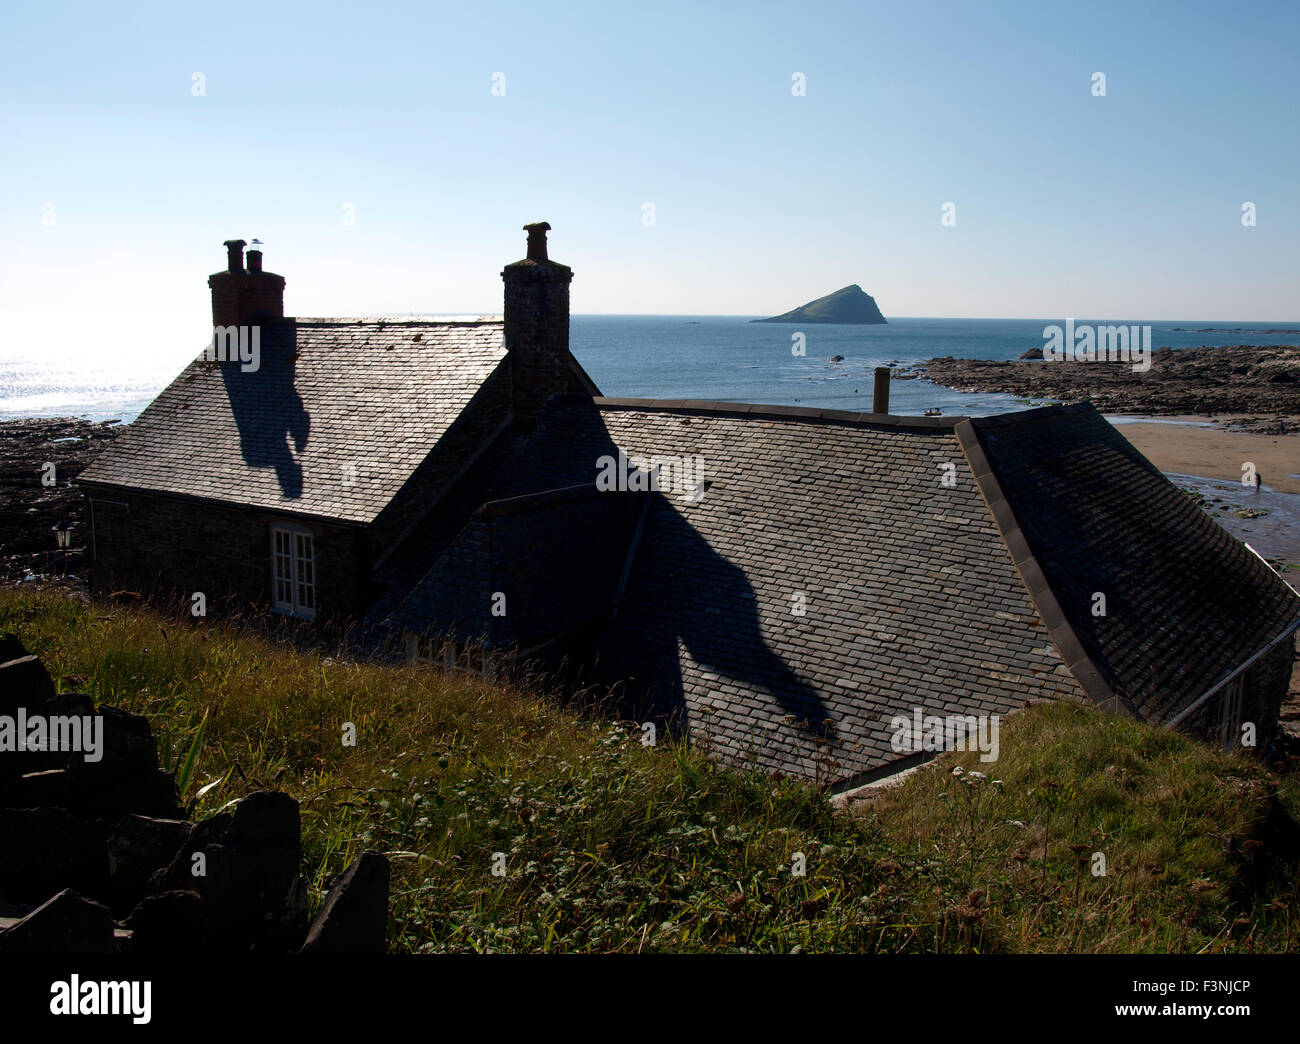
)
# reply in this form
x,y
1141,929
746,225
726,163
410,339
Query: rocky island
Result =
x,y
849,305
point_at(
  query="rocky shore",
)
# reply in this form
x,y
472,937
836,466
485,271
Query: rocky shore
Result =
x,y
39,458
1207,381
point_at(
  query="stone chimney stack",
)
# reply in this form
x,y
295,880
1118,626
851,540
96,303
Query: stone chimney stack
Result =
x,y
245,297
537,326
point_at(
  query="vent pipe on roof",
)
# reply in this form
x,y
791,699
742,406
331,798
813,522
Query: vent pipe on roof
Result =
x,y
880,399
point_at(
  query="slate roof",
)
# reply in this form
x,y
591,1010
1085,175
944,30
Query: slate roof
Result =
x,y
1185,602
912,599
374,395
967,598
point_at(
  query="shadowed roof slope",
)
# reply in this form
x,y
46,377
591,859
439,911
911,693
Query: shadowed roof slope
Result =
x,y
830,578
508,578
1100,518
911,599
334,421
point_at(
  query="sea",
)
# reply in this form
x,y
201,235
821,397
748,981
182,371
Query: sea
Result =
x,y
721,358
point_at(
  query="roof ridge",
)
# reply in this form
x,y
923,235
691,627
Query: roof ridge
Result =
x,y
1004,420
541,498
803,413
400,320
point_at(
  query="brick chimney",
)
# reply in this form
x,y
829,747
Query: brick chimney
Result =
x,y
537,327
245,297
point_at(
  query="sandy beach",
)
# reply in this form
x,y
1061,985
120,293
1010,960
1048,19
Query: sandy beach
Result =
x,y
1208,446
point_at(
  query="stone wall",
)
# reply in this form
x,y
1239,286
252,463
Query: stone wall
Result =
x,y
1267,683
168,547
100,858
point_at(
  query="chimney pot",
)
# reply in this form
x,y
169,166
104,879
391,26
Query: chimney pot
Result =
x,y
254,260
537,240
234,255
880,398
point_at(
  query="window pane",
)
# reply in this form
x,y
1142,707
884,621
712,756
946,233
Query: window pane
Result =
x,y
282,569
306,567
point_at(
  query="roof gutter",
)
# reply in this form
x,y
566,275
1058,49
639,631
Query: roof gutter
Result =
x,y
1290,630
90,487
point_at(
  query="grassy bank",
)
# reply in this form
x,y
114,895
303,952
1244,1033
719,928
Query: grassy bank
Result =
x,y
610,846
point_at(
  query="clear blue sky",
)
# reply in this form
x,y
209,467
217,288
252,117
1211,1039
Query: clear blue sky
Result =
x,y
1125,206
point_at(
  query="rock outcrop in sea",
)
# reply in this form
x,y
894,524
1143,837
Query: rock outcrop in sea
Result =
x,y
1207,380
850,305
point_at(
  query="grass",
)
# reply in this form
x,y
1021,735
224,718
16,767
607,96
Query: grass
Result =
x,y
1197,847
602,845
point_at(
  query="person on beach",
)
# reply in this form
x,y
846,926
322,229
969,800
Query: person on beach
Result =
x,y
1258,480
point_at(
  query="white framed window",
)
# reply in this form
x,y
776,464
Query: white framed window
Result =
x,y
293,571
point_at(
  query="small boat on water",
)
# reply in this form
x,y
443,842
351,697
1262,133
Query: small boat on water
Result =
x,y
936,412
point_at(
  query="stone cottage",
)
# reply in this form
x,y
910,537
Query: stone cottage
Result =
x,y
782,584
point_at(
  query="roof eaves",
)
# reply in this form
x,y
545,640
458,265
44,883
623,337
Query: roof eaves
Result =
x,y
91,485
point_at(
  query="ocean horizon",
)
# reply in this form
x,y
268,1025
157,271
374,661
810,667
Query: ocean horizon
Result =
x,y
709,357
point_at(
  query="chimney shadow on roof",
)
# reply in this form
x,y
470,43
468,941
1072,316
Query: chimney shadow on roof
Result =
x,y
680,590
267,408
